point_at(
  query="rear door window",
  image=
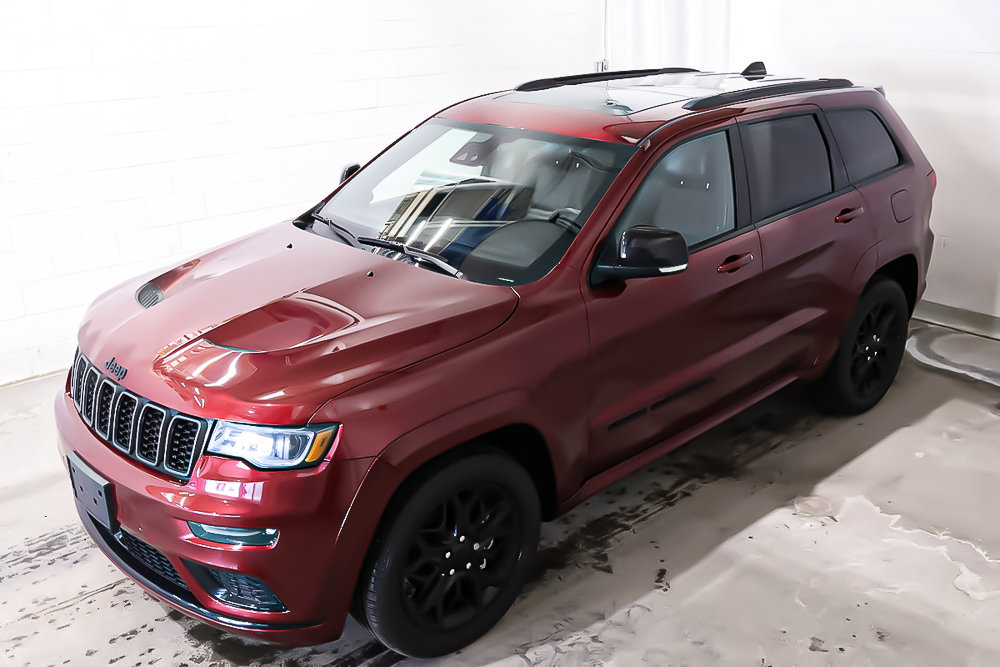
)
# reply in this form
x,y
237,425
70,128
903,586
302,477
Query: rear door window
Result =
x,y
788,164
864,142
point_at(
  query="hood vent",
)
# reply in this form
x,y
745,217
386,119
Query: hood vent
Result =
x,y
149,295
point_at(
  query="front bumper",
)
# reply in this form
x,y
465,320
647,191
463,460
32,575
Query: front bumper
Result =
x,y
181,599
312,567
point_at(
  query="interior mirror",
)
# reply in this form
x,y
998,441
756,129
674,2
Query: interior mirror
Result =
x,y
644,251
349,171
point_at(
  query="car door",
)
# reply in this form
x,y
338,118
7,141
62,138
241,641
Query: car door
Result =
x,y
666,350
814,229
878,168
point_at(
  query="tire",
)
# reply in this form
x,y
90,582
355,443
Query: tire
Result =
x,y
870,352
452,556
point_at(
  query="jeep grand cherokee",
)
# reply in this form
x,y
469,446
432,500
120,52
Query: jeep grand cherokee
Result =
x,y
532,294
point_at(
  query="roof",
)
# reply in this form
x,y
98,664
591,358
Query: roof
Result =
x,y
626,106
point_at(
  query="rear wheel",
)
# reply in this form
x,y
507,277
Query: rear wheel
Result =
x,y
447,567
870,352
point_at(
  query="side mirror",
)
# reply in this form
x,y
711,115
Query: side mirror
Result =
x,y
644,252
349,171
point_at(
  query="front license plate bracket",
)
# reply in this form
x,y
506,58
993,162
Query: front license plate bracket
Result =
x,y
92,492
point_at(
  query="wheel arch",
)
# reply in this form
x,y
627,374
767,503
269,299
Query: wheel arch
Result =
x,y
525,444
522,442
903,270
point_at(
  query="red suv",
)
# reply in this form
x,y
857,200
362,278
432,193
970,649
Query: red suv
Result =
x,y
527,297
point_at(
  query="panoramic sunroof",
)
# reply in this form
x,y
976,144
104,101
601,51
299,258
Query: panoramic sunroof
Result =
x,y
626,96
610,97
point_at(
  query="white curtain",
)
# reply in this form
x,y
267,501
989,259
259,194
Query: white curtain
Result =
x,y
667,33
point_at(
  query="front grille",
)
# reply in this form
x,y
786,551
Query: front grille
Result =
x,y
89,389
151,559
239,590
157,437
123,421
79,373
147,446
105,398
183,439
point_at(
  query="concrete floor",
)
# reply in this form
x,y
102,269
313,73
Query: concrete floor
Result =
x,y
781,537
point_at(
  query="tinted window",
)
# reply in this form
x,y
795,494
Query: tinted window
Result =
x,y
788,164
690,190
863,141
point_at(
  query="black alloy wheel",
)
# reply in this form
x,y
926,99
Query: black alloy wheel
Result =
x,y
461,558
870,352
873,352
455,552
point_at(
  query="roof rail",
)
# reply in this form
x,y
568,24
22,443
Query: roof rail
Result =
x,y
759,92
556,81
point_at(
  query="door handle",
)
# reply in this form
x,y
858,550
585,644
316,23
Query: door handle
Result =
x,y
734,262
849,214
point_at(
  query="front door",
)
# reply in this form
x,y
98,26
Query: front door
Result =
x,y
666,350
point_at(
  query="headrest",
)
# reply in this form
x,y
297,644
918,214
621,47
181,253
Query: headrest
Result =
x,y
691,164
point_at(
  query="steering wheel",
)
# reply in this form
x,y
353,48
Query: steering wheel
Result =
x,y
566,217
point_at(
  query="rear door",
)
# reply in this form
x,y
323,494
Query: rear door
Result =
x,y
875,166
814,228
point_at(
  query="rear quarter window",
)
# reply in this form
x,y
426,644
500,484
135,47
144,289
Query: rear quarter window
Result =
x,y
864,142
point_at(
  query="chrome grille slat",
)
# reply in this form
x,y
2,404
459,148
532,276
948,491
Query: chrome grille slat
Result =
x,y
125,411
181,441
79,371
149,434
157,437
104,402
89,389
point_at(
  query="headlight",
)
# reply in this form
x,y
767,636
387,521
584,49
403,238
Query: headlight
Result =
x,y
272,446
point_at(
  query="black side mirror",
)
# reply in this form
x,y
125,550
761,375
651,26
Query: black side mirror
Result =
x,y
349,171
644,252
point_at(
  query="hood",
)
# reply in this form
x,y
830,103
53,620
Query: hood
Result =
x,y
267,328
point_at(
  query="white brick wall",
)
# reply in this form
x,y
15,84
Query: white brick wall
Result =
x,y
135,134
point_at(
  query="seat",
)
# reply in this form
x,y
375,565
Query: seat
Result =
x,y
561,176
691,191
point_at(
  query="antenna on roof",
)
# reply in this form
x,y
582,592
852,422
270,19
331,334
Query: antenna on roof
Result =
x,y
755,71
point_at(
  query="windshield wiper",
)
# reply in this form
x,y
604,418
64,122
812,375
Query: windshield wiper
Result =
x,y
474,179
340,230
414,253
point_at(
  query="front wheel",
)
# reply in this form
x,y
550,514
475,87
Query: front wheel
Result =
x,y
450,562
870,352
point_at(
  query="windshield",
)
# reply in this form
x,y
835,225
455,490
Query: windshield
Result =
x,y
499,205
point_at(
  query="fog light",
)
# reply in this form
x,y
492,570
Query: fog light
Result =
x,y
252,537
236,588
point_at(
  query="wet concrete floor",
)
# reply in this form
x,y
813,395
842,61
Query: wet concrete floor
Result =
x,y
781,537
